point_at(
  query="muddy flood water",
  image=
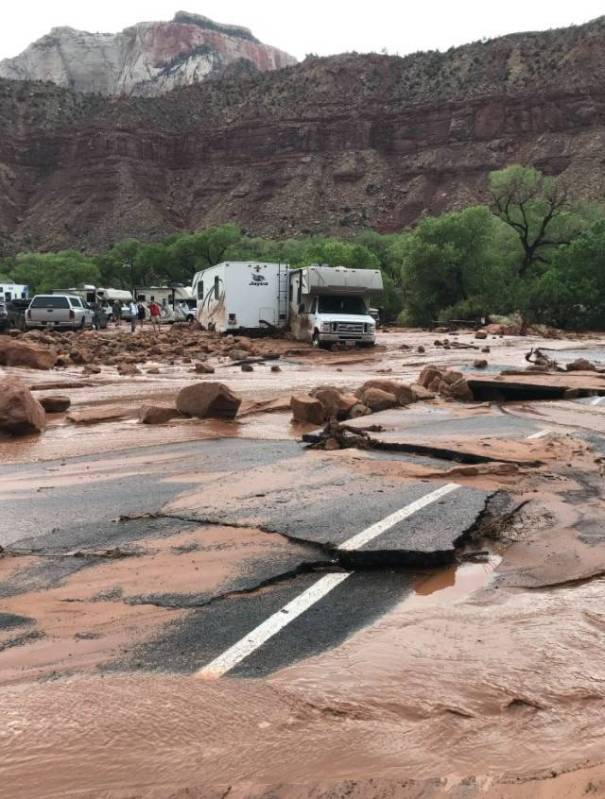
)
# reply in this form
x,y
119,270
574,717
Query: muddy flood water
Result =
x,y
136,554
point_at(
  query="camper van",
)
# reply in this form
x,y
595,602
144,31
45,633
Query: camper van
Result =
x,y
331,304
321,304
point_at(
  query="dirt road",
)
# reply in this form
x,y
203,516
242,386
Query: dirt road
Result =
x,y
206,608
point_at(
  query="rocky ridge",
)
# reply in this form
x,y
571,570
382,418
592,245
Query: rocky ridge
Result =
x,y
146,59
332,145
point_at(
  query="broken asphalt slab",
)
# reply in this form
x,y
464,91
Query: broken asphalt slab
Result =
x,y
189,645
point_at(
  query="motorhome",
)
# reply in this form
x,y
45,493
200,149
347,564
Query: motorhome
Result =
x,y
242,296
331,304
321,304
13,291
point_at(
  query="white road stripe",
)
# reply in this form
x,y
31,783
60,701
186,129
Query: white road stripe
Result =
x,y
225,662
597,400
539,434
357,541
271,626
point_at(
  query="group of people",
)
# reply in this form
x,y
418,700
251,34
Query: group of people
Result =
x,y
138,314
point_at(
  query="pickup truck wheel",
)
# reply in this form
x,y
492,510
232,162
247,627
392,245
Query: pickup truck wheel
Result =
x,y
315,339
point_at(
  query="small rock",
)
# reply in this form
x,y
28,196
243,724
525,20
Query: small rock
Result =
x,y
359,410
238,354
89,369
421,392
153,370
247,367
485,349
331,444
421,349
276,368
128,369
203,368
481,334
156,414
581,365
480,363
55,403
336,404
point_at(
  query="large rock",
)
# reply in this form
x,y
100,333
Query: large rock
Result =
x,y
307,409
405,395
22,353
336,403
55,403
378,400
20,412
581,365
203,400
428,376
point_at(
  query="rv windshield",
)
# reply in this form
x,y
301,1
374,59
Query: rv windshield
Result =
x,y
341,305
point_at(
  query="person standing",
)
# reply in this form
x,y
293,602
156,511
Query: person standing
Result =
x,y
117,313
154,314
134,314
141,313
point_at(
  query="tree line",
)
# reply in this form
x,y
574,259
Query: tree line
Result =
x,y
531,251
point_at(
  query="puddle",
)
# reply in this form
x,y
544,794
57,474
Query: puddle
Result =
x,y
448,585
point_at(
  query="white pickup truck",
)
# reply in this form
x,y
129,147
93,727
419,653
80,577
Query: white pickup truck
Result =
x,y
58,310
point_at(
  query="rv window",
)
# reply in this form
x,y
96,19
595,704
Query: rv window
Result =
x,y
344,304
216,283
200,290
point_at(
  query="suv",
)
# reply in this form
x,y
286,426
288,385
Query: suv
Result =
x,y
58,310
15,310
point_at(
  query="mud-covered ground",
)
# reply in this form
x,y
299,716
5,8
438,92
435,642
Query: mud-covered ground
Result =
x,y
206,608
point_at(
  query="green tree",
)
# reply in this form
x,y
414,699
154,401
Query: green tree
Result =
x,y
47,271
450,262
538,209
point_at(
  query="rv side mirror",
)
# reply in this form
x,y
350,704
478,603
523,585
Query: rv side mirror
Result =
x,y
301,308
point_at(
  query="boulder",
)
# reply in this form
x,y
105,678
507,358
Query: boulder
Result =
x,y
212,400
203,368
307,409
460,391
404,393
581,365
428,375
55,403
14,352
378,400
238,354
128,369
20,412
335,403
156,414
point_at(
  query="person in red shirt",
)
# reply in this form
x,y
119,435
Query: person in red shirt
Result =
x,y
154,313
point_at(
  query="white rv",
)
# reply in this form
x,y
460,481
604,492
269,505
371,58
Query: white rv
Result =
x,y
242,296
321,304
331,304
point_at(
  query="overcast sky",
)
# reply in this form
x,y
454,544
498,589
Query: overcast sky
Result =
x,y
308,26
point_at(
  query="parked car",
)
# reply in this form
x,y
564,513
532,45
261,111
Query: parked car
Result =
x,y
58,311
16,313
4,321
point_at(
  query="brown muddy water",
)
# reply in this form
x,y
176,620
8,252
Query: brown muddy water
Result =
x,y
444,685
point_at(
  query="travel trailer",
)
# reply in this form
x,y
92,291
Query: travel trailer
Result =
x,y
321,304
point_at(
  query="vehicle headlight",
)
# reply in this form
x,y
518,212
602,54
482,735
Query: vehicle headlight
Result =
x,y
326,327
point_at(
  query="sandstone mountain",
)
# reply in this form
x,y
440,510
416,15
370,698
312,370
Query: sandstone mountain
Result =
x,y
146,59
330,145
